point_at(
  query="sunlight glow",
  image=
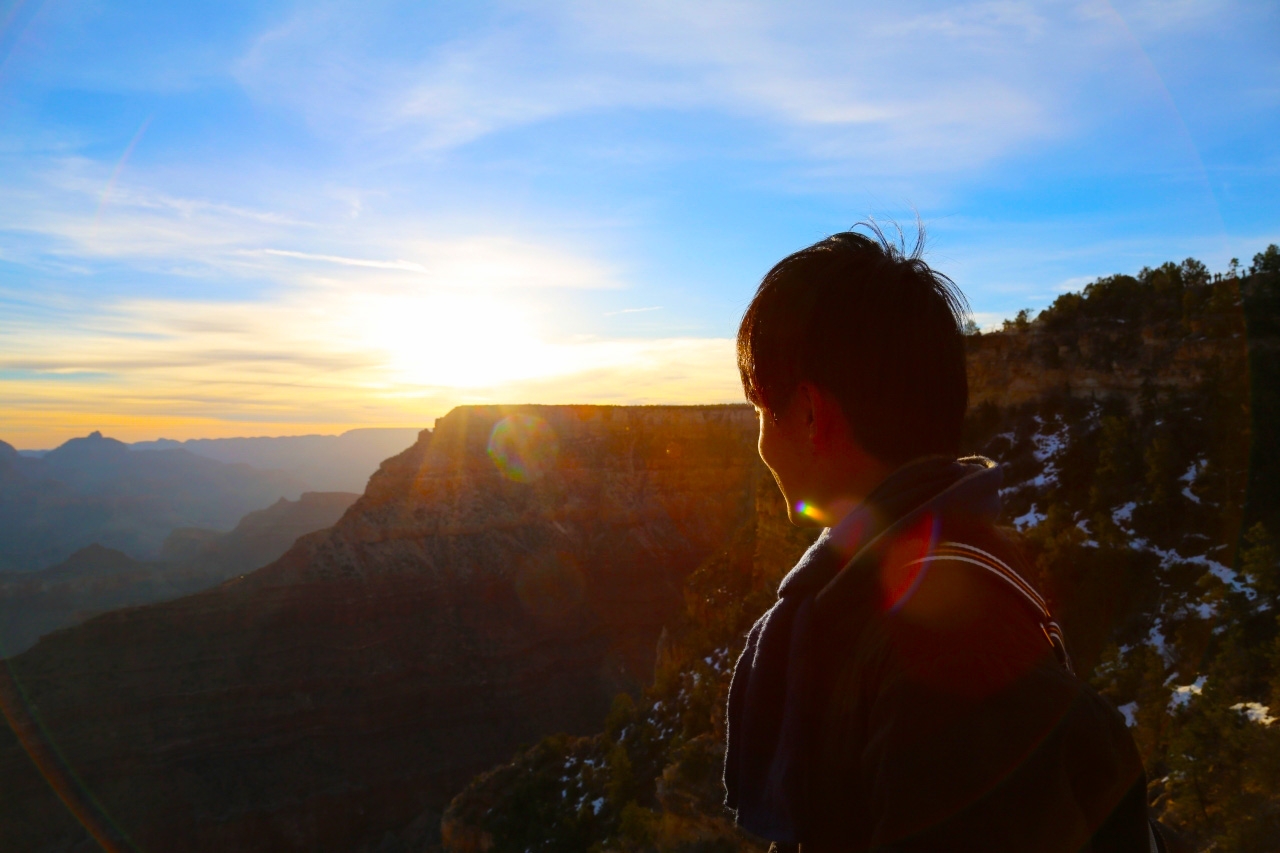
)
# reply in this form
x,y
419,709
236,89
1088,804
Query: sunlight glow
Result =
x,y
456,340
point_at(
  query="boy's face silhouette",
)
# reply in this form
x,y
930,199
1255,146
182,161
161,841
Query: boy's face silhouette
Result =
x,y
820,467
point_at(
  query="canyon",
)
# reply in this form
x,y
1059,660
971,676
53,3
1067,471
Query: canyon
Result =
x,y
97,579
502,578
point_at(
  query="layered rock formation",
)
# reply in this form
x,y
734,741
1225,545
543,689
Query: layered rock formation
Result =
x,y
1013,368
667,749
503,578
1124,350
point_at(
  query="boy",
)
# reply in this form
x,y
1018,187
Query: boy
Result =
x,y
909,690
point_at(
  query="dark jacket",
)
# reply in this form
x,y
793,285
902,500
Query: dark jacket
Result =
x,y
900,697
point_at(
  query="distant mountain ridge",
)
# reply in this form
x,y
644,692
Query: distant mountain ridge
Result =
x,y
323,463
96,579
96,490
131,497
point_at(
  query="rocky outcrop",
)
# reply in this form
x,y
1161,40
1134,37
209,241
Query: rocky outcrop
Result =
x,y
501,579
664,751
261,536
1097,359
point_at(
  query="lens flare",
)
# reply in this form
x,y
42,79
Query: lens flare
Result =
x,y
523,447
808,510
115,174
24,720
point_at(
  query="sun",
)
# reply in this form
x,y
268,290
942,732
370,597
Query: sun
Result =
x,y
459,339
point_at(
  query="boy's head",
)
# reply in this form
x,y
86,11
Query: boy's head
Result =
x,y
873,329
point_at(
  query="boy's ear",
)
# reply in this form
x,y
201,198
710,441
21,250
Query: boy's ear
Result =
x,y
817,412
828,426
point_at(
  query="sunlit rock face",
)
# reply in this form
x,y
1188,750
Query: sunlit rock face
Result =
x,y
500,580
1098,358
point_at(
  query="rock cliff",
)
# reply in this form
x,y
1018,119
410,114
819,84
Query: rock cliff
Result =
x,y
510,573
1123,338
501,579
1137,424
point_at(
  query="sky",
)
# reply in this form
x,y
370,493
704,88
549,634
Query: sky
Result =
x,y
268,218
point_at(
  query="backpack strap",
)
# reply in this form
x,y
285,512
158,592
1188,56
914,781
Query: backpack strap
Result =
x,y
964,553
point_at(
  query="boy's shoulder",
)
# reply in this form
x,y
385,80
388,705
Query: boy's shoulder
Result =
x,y
945,690
957,613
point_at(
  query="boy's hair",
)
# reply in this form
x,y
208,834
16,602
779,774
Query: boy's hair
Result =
x,y
874,326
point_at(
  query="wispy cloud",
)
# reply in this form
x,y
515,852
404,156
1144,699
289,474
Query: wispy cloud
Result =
x,y
52,220
830,78
315,356
478,262
406,266
1075,283
397,335
366,212
632,310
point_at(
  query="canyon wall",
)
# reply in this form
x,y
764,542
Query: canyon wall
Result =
x,y
1097,359
501,579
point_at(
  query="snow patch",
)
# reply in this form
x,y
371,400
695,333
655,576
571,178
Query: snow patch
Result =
x,y
1255,711
1182,695
1130,711
1049,477
1219,571
1030,519
1048,446
1190,478
597,804
1089,541
1155,639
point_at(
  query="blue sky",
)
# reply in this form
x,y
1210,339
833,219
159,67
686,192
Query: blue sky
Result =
x,y
273,218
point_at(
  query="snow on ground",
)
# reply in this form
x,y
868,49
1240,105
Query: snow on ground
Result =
x,y
1255,711
1030,519
1155,639
1048,446
1122,515
1130,711
1089,541
1219,571
1190,478
1182,695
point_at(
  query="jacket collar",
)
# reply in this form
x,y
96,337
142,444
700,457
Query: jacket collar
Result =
x,y
934,483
